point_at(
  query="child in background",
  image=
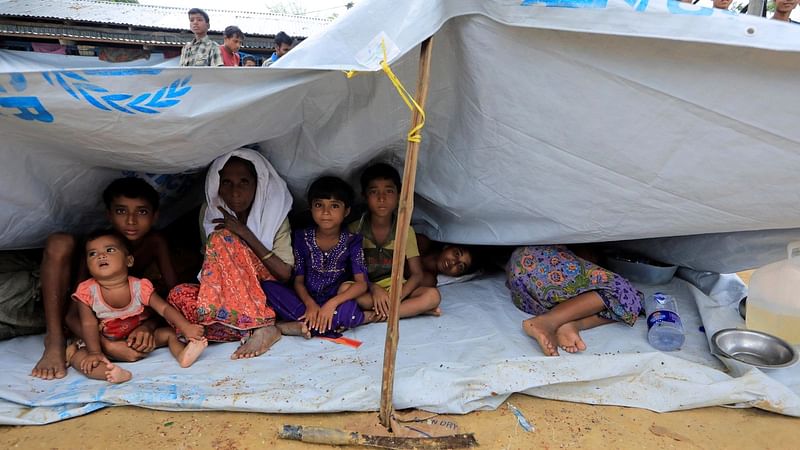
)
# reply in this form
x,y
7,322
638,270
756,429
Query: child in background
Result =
x,y
329,265
132,208
249,61
113,304
439,258
231,43
380,185
202,50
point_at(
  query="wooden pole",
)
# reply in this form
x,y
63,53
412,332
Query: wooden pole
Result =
x,y
404,209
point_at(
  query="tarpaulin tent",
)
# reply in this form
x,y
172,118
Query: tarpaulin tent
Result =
x,y
547,122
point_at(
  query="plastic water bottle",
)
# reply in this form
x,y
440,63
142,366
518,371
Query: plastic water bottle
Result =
x,y
664,327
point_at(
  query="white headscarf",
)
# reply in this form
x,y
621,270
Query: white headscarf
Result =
x,y
270,206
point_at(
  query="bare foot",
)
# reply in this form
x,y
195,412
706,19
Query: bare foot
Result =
x,y
569,338
258,343
540,329
119,351
294,329
434,312
116,374
53,363
191,352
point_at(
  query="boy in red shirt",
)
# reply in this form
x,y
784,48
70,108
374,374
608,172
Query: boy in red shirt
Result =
x,y
232,42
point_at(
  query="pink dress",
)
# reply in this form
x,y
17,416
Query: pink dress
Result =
x,y
117,323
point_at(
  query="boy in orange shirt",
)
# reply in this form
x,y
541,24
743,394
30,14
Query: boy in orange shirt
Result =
x,y
232,41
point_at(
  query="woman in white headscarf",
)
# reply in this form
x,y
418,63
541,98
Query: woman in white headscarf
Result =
x,y
248,241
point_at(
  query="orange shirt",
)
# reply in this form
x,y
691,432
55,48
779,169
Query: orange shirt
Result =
x,y
229,58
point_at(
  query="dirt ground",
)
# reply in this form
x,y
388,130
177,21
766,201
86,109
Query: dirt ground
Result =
x,y
557,425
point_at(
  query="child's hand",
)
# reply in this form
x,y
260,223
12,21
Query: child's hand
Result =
x,y
142,339
311,317
326,317
193,331
93,360
380,302
231,223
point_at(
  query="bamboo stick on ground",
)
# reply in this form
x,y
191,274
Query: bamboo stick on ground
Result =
x,y
329,436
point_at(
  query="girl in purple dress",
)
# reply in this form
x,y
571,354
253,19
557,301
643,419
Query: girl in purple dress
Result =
x,y
329,266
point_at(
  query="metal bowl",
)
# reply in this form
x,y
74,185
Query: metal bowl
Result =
x,y
754,348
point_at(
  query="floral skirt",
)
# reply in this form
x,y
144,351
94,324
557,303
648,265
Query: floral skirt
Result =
x,y
229,300
540,277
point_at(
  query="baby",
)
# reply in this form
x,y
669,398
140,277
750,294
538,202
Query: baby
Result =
x,y
114,304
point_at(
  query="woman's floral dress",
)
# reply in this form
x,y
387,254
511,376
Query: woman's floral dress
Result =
x,y
229,300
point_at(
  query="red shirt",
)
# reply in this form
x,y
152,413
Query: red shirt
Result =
x,y
229,58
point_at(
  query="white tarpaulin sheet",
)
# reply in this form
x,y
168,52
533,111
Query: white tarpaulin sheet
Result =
x,y
472,357
548,121
592,122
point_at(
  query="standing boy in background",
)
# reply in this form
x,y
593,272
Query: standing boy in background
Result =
x,y
783,10
232,42
200,51
283,43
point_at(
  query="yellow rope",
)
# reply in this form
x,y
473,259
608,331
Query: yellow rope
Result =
x,y
414,135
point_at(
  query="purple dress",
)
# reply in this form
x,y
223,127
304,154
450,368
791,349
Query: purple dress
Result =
x,y
324,273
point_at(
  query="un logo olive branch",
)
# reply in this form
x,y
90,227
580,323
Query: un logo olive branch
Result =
x,y
79,86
